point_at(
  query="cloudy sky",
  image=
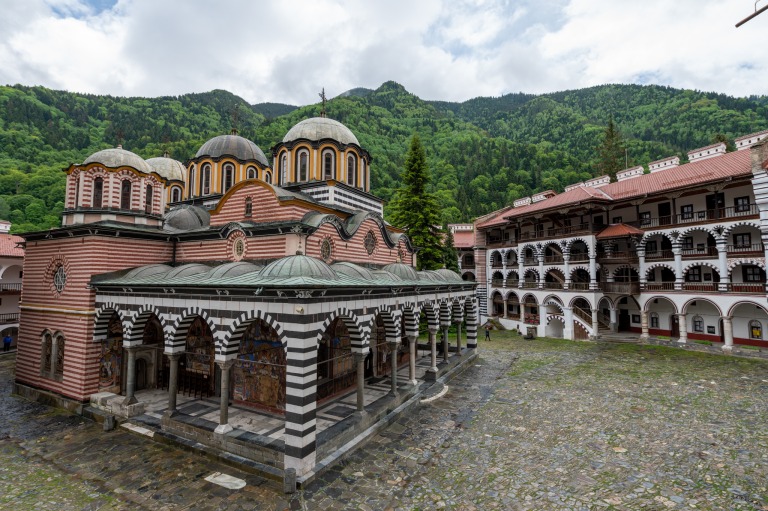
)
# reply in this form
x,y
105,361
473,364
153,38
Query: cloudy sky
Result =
x,y
287,50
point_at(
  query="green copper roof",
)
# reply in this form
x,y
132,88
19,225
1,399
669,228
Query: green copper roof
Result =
x,y
299,266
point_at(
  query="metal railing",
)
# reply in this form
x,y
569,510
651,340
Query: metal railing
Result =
x,y
618,257
623,288
757,248
697,253
745,287
658,255
697,216
10,287
701,287
659,286
9,318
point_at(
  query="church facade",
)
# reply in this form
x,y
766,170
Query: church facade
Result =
x,y
266,289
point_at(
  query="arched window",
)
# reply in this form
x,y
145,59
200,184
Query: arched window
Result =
x,y
248,206
58,362
205,179
98,191
302,166
268,177
77,191
328,165
149,200
283,176
252,173
125,194
192,182
351,170
698,324
364,173
227,177
46,354
654,319
175,194
755,330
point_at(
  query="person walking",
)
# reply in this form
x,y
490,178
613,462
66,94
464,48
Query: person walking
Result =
x,y
7,340
487,332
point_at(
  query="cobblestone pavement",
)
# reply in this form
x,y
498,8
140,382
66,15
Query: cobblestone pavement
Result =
x,y
534,425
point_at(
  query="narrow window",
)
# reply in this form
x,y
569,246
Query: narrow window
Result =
x,y
175,194
755,330
645,218
364,173
58,367
351,170
248,206
268,177
192,182
252,174
303,164
654,317
149,199
742,240
98,190
228,177
698,324
283,170
694,274
741,204
686,212
328,165
205,179
77,191
688,243
651,247
125,195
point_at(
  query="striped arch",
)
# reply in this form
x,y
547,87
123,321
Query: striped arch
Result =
x,y
410,317
101,322
525,299
433,316
552,299
491,254
578,267
177,340
747,223
457,311
647,306
229,346
510,252
622,267
511,293
391,318
445,314
580,297
701,228
555,317
554,268
470,311
557,244
510,276
534,271
532,246
134,334
356,339
733,263
650,235
659,265
570,242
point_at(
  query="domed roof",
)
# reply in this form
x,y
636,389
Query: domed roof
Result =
x,y
148,271
119,157
403,271
232,270
430,275
232,145
168,168
299,266
353,270
186,218
187,269
449,275
318,128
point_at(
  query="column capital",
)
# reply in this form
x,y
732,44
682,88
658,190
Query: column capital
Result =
x,y
225,364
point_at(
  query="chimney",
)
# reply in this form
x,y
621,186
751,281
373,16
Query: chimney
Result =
x,y
748,141
666,163
598,181
522,202
630,173
543,195
709,151
574,186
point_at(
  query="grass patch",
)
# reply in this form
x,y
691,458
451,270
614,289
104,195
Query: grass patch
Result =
x,y
749,347
705,343
523,366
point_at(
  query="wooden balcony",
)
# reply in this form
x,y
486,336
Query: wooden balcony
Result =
x,y
620,288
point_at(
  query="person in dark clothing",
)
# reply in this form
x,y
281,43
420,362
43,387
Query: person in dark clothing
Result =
x,y
487,333
7,340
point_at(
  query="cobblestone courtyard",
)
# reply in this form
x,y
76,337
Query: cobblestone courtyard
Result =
x,y
533,425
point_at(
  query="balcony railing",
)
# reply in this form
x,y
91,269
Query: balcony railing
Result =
x,y
698,216
756,248
553,285
530,285
579,286
497,282
699,253
701,287
550,259
10,287
622,288
618,257
528,261
746,287
9,318
659,286
579,257
658,255
513,283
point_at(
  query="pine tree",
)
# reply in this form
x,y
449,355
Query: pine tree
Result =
x,y
417,210
450,255
612,152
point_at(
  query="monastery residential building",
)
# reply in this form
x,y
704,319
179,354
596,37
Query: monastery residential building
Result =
x,y
677,253
265,312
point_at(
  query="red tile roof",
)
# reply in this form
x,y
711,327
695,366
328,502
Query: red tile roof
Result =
x,y
8,246
619,231
729,165
464,239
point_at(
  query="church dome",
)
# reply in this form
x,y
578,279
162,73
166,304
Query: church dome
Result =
x,y
403,271
449,275
234,269
318,128
353,270
170,169
299,266
119,157
186,218
232,145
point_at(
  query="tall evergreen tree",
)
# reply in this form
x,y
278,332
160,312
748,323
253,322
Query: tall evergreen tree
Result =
x,y
612,152
450,255
417,210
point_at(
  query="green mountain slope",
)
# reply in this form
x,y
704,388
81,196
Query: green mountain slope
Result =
x,y
483,153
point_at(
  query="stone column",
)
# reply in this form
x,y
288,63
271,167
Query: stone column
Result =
x,y
722,256
727,334
595,323
678,253
360,362
445,344
458,335
614,324
412,359
393,363
683,329
173,383
224,426
568,330
505,309
520,272
641,266
541,331
592,271
541,271
644,325
433,346
301,405
567,267
130,384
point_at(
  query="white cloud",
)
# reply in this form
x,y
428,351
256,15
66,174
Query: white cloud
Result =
x,y
287,50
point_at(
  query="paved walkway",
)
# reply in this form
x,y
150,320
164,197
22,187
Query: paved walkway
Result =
x,y
534,425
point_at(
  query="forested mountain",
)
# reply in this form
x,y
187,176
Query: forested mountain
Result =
x,y
483,153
